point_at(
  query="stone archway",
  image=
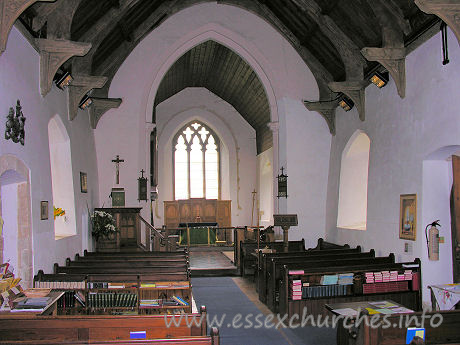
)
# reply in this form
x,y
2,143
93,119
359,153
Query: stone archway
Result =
x,y
11,165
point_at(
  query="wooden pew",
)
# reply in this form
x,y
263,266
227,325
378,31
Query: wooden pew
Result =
x,y
126,263
278,266
247,248
135,253
116,277
119,269
16,328
322,245
212,339
267,260
411,298
446,333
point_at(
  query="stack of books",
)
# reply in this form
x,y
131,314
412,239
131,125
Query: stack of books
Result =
x,y
369,277
385,276
345,279
378,278
36,304
296,290
408,275
393,276
150,303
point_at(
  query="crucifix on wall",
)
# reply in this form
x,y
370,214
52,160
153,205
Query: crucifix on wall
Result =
x,y
118,193
117,162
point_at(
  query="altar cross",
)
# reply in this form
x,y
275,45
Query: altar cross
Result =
x,y
117,162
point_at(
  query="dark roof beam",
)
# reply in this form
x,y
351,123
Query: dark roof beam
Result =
x,y
354,62
60,19
393,53
447,10
8,15
321,74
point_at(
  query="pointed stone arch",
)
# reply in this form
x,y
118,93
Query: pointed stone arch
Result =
x,y
16,171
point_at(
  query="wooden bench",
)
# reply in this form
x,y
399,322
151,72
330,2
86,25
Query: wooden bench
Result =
x,y
410,297
135,253
16,328
212,339
266,271
279,267
119,269
322,245
446,333
249,261
127,263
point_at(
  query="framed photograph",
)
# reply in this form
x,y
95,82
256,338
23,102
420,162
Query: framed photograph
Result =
x,y
408,217
83,182
43,210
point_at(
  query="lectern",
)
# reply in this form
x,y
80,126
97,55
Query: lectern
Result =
x,y
285,221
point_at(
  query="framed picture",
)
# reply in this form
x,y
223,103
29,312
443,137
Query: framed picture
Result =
x,y
408,217
43,210
83,182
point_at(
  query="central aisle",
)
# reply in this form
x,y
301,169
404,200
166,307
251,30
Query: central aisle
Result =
x,y
242,323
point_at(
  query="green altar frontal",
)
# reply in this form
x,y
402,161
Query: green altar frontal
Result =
x,y
197,234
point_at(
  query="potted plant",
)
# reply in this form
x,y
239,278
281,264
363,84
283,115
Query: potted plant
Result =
x,y
103,225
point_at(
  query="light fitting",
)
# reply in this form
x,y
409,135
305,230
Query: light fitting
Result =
x,y
380,79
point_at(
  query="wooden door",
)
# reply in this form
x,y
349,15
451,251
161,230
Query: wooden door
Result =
x,y
455,218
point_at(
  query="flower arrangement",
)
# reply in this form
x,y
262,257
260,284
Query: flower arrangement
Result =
x,y
58,212
103,224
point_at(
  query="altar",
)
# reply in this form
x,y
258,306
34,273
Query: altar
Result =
x,y
203,233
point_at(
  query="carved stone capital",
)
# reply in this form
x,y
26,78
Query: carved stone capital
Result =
x,y
394,60
326,109
53,53
274,126
99,108
10,10
447,10
354,90
80,86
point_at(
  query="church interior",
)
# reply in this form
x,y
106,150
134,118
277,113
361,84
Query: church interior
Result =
x,y
277,158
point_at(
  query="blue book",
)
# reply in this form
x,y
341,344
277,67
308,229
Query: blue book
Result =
x,y
412,332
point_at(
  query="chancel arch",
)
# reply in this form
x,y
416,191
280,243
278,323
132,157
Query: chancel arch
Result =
x,y
354,170
62,179
15,210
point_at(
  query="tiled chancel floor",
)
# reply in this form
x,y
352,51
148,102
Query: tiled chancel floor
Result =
x,y
209,260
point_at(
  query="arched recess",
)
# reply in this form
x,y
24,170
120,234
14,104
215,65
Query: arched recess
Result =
x,y
240,46
354,170
229,152
62,178
15,197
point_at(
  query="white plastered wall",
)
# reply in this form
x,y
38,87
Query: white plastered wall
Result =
x,y
301,144
404,133
19,79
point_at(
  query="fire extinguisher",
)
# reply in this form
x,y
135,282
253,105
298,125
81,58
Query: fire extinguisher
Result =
x,y
432,240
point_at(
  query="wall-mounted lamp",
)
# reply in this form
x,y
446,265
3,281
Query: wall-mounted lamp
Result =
x,y
380,79
85,102
346,103
282,184
15,125
64,80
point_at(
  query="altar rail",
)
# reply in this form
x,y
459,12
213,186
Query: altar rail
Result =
x,y
213,235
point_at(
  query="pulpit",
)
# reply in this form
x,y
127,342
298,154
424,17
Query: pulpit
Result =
x,y
127,221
